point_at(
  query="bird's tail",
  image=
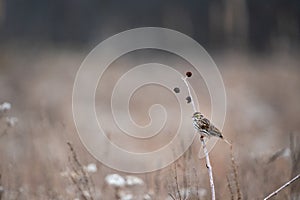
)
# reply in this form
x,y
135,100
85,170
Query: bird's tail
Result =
x,y
215,132
222,137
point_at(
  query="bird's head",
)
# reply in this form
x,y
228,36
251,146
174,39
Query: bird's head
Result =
x,y
197,116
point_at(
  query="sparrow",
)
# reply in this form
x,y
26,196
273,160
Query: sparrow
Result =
x,y
205,127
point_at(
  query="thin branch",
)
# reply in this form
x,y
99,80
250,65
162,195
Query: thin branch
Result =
x,y
176,181
209,167
189,91
235,172
171,195
210,170
230,188
282,187
85,182
78,187
196,182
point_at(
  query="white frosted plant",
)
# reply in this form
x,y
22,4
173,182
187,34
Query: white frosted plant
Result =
x,y
11,121
147,197
123,186
91,168
133,181
126,196
115,180
5,107
8,120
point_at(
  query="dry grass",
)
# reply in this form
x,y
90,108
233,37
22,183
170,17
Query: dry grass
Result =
x,y
235,177
79,177
263,97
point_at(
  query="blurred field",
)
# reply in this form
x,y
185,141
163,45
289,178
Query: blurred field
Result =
x,y
263,95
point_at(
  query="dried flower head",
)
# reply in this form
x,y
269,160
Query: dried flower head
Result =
x,y
188,74
176,90
188,99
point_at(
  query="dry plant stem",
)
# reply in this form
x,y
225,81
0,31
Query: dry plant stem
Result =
x,y
235,172
295,158
190,94
157,182
78,169
79,188
282,187
171,196
197,185
176,181
230,188
210,170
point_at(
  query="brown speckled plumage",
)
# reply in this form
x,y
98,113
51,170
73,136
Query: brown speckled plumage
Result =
x,y
204,127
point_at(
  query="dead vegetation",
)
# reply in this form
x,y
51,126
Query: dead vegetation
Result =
x,y
262,111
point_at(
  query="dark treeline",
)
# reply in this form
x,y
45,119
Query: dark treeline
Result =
x,y
253,24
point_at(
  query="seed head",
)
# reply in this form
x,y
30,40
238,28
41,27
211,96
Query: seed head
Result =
x,y
188,74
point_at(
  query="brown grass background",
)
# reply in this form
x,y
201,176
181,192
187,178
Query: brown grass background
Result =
x,y
262,118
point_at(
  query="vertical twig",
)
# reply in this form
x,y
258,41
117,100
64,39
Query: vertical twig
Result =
x,y
210,170
185,181
282,187
230,188
171,195
197,183
83,182
235,173
295,159
157,182
177,184
208,165
190,94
